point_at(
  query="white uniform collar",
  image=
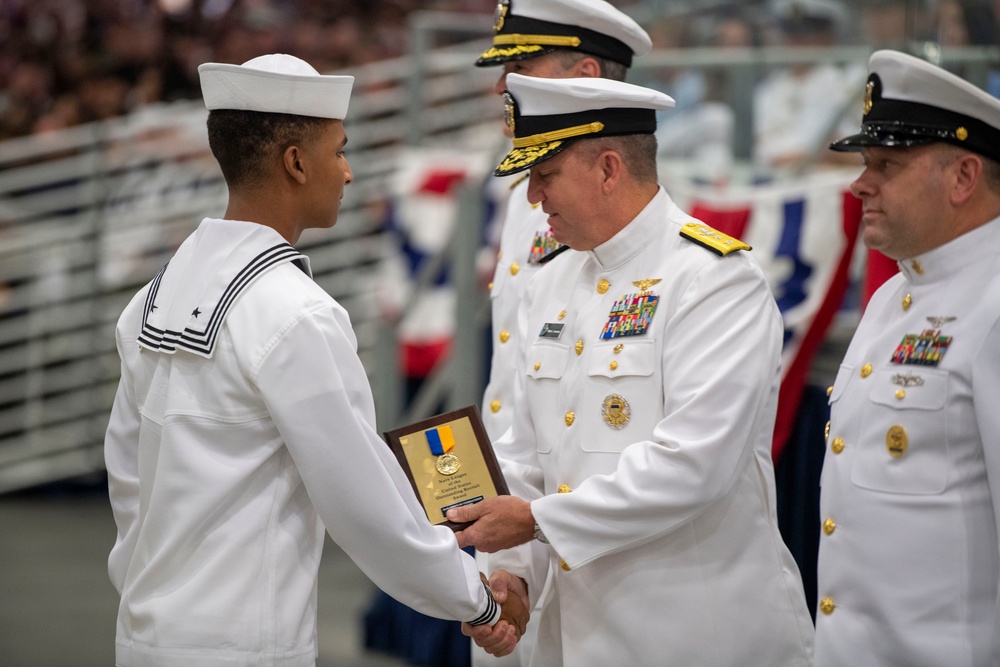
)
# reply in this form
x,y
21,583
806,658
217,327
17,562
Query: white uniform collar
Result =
x,y
636,235
953,256
190,297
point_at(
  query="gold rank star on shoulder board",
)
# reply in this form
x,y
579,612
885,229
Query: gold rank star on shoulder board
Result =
x,y
719,243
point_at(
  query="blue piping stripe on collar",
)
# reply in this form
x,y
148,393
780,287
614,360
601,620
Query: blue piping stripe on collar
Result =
x,y
203,342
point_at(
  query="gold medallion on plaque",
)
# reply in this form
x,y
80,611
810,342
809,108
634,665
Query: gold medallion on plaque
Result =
x,y
449,461
896,441
616,411
447,464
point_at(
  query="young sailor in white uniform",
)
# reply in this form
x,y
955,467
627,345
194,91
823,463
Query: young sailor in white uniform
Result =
x,y
244,424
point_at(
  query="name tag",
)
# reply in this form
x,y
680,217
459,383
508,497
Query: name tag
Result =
x,y
551,330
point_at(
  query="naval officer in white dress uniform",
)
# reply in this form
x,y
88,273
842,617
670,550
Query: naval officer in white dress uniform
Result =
x,y
909,564
644,411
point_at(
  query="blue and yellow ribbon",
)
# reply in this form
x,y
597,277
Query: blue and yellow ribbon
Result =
x,y
441,440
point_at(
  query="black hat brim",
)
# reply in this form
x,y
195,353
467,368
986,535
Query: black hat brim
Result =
x,y
869,137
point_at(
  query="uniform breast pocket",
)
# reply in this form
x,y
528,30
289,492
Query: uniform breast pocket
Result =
x,y
844,375
499,283
904,446
623,396
546,366
836,436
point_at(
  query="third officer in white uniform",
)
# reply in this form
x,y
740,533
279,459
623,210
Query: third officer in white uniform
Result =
x,y
909,564
553,39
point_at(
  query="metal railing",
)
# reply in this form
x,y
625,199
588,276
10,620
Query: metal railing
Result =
x,y
89,214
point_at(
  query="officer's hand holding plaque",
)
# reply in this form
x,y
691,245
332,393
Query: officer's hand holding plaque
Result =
x,y
449,461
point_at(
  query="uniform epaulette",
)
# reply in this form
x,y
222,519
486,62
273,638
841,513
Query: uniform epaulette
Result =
x,y
719,243
519,180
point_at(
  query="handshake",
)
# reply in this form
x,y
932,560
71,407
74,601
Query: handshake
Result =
x,y
493,524
511,593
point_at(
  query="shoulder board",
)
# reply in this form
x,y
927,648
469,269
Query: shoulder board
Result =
x,y
520,179
719,243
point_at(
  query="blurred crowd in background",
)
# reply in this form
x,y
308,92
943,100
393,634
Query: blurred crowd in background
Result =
x,y
66,62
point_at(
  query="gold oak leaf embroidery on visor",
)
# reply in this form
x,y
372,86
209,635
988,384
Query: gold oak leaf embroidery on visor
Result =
x,y
519,157
494,52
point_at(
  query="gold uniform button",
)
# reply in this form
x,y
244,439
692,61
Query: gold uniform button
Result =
x,y
514,268
504,336
907,302
866,370
562,315
827,606
829,390
603,286
569,418
563,488
618,348
614,365
838,445
495,406
538,365
490,287
900,394
579,347
829,526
